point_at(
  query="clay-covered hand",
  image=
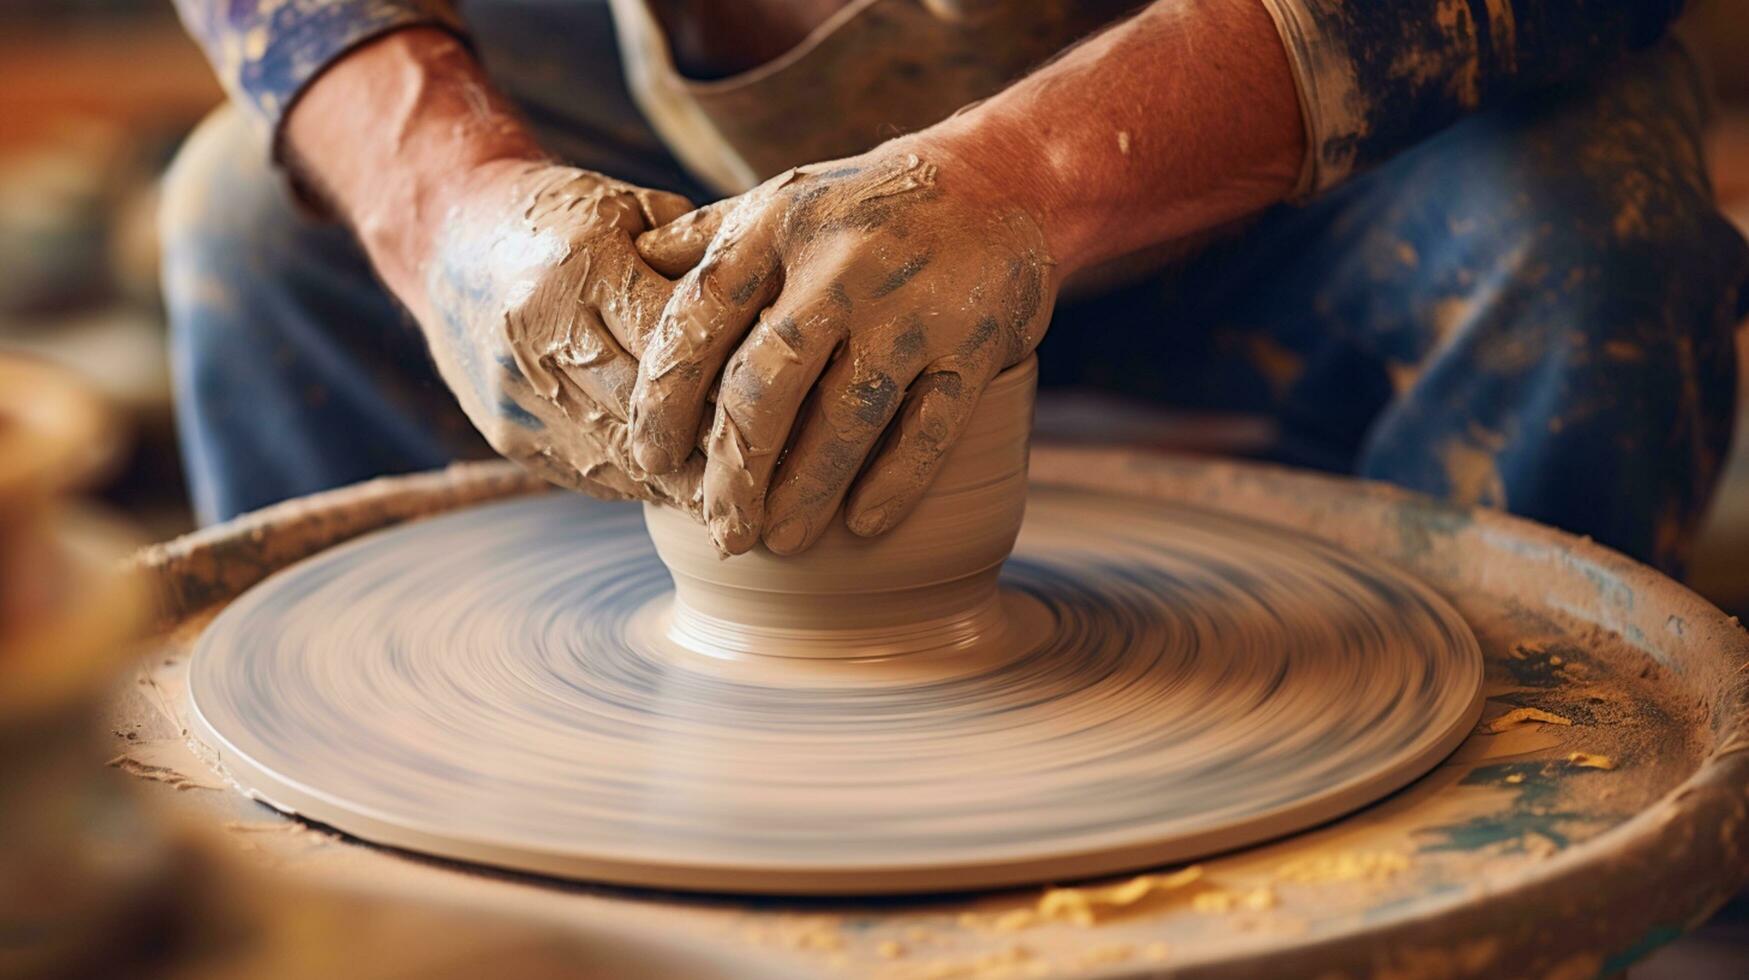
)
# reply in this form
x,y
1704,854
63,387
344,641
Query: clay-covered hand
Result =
x,y
822,305
536,305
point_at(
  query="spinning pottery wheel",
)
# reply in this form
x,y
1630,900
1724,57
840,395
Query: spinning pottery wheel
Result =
x,y
519,684
1570,847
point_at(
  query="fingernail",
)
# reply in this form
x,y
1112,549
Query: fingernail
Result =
x,y
731,533
870,522
787,536
653,458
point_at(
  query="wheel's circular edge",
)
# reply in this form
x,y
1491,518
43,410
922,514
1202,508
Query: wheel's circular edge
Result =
x,y
1639,883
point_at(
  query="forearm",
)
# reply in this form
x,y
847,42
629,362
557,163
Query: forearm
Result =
x,y
376,105
1196,112
1180,119
391,131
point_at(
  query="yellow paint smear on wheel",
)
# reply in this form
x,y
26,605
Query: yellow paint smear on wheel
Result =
x,y
1090,905
1524,716
1222,901
1344,866
1087,906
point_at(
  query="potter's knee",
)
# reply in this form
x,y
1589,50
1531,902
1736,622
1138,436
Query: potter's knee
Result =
x,y
1682,274
223,214
1630,254
1596,190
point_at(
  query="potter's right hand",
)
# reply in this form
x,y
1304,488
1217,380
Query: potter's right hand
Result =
x,y
536,305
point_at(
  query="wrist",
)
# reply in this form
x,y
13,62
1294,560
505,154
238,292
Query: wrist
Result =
x,y
1006,169
981,167
1181,119
388,135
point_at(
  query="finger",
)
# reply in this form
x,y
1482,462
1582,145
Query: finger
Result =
x,y
673,247
569,444
588,450
592,466
761,392
682,489
607,384
855,400
606,485
708,314
603,452
935,414
569,343
661,207
629,296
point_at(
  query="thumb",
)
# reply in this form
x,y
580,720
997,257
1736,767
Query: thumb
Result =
x,y
661,207
674,248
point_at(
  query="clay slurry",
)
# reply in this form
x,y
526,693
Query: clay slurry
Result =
x,y
496,685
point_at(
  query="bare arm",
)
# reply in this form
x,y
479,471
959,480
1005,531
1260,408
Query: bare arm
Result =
x,y
390,133
1179,119
902,280
892,286
1195,112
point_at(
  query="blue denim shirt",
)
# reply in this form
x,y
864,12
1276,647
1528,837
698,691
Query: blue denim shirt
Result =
x,y
266,51
1374,76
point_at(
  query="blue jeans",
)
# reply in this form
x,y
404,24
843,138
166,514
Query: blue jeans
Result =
x,y
1533,310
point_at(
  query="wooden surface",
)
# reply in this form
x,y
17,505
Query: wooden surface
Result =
x,y
1540,848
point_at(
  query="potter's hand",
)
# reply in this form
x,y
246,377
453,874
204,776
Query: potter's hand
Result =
x,y
538,306
521,273
897,283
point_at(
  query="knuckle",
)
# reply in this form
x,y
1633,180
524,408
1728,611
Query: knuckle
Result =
x,y
866,402
741,387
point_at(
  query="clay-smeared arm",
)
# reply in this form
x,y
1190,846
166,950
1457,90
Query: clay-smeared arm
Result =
x,y
1185,115
896,284
838,297
521,272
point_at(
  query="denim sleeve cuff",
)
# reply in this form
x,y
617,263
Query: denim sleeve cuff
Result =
x,y
267,52
1374,78
1324,90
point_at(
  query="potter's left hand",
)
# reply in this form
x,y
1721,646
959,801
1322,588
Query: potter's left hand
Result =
x,y
896,283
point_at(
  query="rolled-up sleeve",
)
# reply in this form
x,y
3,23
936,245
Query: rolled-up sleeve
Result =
x,y
1376,76
267,51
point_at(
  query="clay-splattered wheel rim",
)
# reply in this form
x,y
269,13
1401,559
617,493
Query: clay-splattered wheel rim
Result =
x,y
494,685
1659,863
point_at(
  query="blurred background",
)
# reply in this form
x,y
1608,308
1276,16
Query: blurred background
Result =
x,y
95,95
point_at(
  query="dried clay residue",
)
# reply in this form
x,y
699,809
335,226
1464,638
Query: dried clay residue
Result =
x,y
1340,866
1522,716
163,762
1220,901
1011,961
1090,906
